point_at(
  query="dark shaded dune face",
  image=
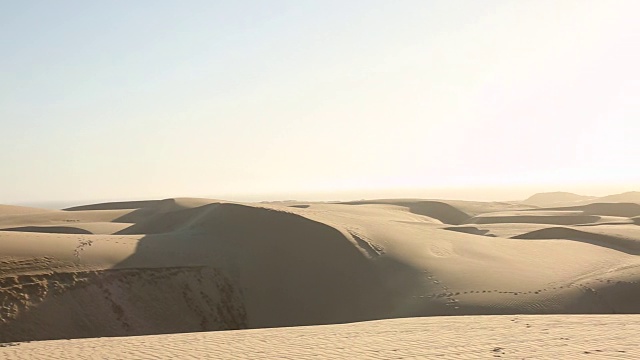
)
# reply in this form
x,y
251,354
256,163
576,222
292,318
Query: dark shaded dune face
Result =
x,y
528,219
290,270
469,230
613,209
49,229
474,208
299,206
444,212
628,246
141,210
620,296
158,222
101,303
605,209
439,210
636,220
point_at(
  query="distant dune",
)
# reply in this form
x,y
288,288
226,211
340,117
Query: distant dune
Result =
x,y
623,209
185,265
554,199
631,196
628,245
19,210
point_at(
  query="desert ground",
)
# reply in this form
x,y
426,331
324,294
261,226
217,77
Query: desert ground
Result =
x,y
189,265
451,337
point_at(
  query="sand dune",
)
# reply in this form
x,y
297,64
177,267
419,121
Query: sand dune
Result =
x,y
182,265
125,205
590,214
19,210
631,246
554,199
631,196
49,229
551,218
435,209
463,337
604,209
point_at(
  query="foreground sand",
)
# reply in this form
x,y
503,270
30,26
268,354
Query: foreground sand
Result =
x,y
463,337
183,265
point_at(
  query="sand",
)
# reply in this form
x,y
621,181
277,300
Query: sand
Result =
x,y
569,199
464,337
187,265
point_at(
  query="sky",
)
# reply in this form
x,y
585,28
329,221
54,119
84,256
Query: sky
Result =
x,y
265,100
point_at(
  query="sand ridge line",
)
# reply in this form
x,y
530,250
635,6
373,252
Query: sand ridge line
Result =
x,y
369,248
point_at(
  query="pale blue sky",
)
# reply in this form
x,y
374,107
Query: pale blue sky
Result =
x,y
315,99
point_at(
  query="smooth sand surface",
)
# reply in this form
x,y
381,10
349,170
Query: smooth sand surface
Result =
x,y
185,265
464,337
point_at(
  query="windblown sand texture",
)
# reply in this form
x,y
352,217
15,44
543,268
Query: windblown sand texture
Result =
x,y
463,337
186,265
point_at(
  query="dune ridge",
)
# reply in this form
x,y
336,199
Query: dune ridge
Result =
x,y
560,198
630,246
623,209
441,211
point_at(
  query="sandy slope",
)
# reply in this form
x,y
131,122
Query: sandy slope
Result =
x,y
464,337
181,265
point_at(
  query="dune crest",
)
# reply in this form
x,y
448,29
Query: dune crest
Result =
x,y
441,211
631,246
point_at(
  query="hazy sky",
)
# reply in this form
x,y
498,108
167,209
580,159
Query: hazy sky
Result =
x,y
267,99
